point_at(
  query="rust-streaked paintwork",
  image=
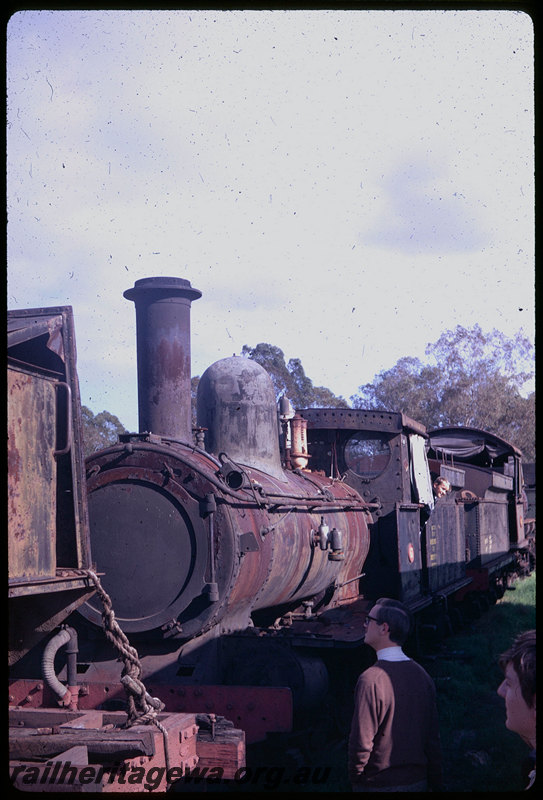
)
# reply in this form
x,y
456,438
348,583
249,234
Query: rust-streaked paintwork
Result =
x,y
32,474
48,531
163,350
148,498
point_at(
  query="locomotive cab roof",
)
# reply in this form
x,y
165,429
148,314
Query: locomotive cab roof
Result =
x,y
470,445
362,419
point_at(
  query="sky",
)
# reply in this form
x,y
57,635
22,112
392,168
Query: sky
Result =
x,y
343,184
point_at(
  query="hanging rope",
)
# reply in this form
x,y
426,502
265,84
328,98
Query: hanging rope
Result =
x,y
142,708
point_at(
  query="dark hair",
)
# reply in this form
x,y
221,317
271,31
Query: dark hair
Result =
x,y
397,616
521,655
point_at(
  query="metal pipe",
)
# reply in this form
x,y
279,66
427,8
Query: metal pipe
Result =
x,y
71,662
163,354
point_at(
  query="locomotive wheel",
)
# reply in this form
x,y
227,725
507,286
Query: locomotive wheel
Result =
x,y
251,662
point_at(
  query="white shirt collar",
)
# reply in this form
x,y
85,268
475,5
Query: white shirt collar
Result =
x,y
394,653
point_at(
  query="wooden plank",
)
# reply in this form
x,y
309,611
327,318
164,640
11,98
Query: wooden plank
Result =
x,y
78,756
87,719
229,756
40,717
120,743
224,748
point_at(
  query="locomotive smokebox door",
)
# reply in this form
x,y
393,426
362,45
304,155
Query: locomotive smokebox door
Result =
x,y
149,539
155,557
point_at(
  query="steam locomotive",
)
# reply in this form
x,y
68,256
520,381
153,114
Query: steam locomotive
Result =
x,y
241,555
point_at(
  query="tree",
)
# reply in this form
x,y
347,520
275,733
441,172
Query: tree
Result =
x,y
410,386
472,378
290,379
273,361
99,431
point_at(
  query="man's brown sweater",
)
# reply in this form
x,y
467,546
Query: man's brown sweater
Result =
x,y
394,739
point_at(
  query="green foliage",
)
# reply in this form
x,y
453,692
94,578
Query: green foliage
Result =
x,y
290,379
472,378
99,431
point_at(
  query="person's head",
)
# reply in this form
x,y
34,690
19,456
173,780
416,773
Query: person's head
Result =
x,y
441,487
518,687
387,624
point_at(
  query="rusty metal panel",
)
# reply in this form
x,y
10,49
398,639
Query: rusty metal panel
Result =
x,y
445,545
360,419
42,352
48,531
31,475
352,419
487,532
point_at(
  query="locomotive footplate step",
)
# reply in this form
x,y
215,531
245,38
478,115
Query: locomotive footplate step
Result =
x,y
343,625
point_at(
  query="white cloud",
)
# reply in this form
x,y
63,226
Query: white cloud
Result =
x,y
292,165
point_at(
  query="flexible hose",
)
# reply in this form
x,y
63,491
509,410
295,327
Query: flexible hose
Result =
x,y
48,662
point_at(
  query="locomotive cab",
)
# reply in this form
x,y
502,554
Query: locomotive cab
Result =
x,y
382,455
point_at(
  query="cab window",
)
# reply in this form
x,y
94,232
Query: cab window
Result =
x,y
367,454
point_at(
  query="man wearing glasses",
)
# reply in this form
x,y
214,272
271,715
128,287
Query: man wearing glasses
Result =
x,y
394,743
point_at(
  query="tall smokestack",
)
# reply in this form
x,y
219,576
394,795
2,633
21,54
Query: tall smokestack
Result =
x,y
163,351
